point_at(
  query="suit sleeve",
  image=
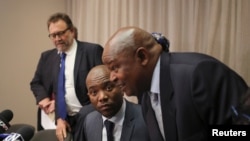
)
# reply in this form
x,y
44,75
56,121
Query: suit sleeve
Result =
x,y
99,51
36,85
79,132
96,56
215,88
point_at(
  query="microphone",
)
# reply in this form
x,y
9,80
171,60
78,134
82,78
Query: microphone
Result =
x,y
5,117
24,133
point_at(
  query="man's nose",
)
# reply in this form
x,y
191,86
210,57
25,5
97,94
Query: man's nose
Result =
x,y
112,76
102,96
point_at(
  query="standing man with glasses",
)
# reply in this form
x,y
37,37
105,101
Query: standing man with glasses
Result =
x,y
79,58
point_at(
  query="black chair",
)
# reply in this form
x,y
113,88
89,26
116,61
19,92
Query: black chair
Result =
x,y
25,130
48,135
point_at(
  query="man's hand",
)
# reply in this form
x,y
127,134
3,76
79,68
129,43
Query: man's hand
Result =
x,y
47,105
61,129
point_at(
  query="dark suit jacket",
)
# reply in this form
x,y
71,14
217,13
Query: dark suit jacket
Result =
x,y
44,82
196,91
134,128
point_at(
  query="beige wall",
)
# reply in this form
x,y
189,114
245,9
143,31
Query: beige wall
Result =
x,y
23,36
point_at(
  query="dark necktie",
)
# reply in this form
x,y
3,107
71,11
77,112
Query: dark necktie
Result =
x,y
152,124
61,104
109,127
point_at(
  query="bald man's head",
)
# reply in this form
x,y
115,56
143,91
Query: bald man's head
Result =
x,y
128,39
104,95
97,74
131,54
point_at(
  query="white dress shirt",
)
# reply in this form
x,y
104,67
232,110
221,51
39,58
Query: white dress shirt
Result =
x,y
155,96
73,104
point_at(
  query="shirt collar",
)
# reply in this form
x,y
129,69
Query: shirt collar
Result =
x,y
119,116
72,49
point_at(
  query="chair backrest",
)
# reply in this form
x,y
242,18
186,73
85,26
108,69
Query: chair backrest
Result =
x,y
25,130
15,127
48,135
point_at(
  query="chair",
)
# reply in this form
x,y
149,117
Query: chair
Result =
x,y
48,135
25,130
15,127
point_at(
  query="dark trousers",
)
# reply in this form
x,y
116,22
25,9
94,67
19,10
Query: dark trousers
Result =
x,y
39,121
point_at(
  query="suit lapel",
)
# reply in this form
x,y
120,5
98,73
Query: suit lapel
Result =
x,y
78,59
128,124
56,67
166,93
150,119
97,129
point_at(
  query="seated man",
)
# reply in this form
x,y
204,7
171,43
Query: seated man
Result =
x,y
109,104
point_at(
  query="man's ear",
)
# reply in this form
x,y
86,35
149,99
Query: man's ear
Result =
x,y
142,55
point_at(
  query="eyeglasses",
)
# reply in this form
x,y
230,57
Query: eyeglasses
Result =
x,y
59,34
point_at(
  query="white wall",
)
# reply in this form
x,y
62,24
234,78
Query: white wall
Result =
x,y
23,36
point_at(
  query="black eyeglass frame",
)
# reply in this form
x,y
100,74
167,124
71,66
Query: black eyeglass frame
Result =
x,y
59,34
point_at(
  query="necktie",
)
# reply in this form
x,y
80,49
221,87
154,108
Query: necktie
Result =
x,y
109,127
154,99
61,104
157,109
151,120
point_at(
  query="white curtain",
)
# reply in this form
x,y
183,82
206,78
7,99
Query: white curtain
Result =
x,y
219,28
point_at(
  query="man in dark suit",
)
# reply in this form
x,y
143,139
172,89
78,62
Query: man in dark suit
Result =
x,y
182,93
107,98
80,58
